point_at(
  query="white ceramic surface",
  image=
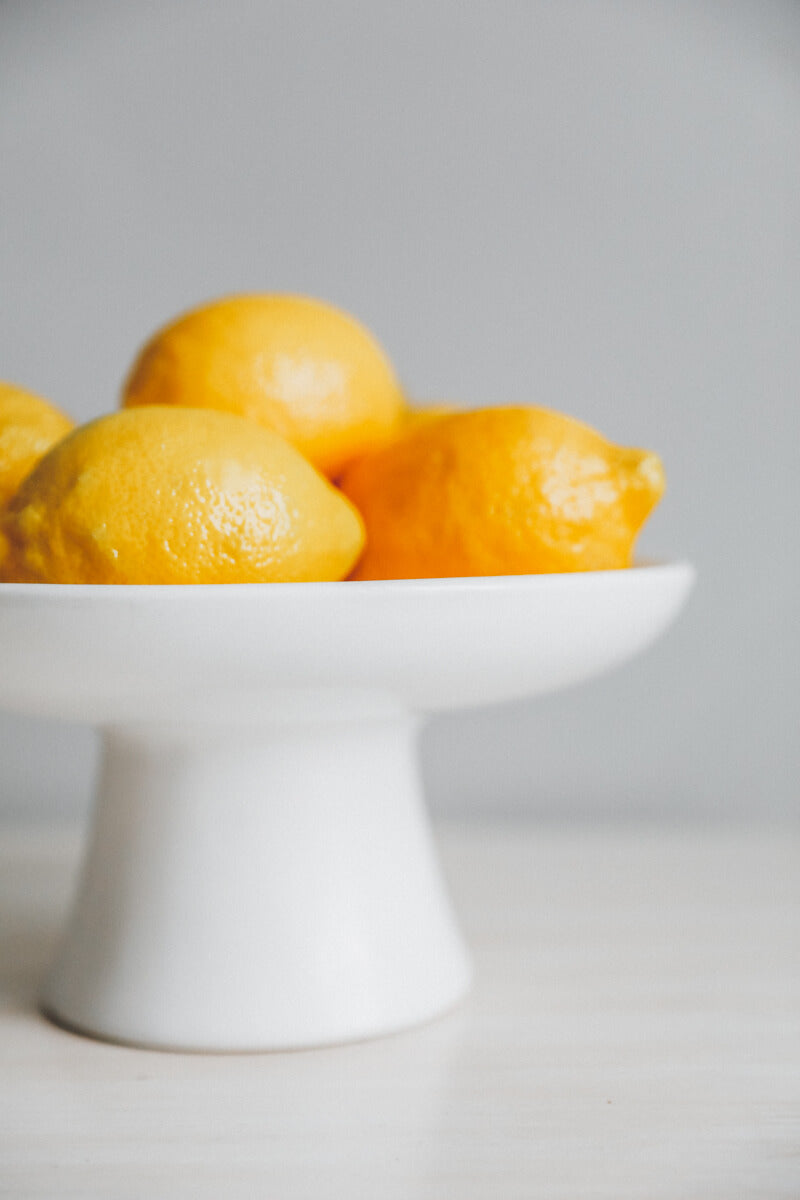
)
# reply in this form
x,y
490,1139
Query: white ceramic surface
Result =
x,y
260,872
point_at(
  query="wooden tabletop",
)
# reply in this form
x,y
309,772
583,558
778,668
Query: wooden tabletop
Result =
x,y
634,1032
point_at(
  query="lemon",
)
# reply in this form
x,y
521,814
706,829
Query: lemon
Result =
x,y
501,491
177,495
296,365
29,426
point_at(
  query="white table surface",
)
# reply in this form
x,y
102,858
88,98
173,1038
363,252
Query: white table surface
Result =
x,y
634,1032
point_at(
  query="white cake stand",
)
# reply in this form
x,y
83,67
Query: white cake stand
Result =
x,y
260,872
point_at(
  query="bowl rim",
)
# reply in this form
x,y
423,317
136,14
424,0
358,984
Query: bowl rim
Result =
x,y
108,593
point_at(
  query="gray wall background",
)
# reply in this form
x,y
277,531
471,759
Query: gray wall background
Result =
x,y
590,205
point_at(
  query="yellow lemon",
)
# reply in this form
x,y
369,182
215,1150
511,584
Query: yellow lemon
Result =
x,y
166,495
29,426
501,491
293,364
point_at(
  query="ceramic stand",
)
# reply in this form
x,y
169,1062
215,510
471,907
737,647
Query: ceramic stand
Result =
x,y
260,872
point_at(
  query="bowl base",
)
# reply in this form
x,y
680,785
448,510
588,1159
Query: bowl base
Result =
x,y
258,890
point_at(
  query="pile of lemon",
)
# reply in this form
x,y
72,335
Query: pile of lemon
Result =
x,y
267,439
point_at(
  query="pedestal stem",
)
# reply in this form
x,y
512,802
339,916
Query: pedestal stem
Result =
x,y
258,890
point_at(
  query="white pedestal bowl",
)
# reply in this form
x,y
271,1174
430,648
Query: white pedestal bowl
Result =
x,y
260,872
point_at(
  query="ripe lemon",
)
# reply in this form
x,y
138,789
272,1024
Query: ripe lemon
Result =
x,y
501,491
295,365
29,426
165,495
